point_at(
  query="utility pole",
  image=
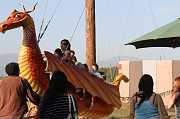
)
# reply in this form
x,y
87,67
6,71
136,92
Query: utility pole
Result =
x,y
90,33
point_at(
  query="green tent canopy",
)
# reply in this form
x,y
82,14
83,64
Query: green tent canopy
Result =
x,y
165,36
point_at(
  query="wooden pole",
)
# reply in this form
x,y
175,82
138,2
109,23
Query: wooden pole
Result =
x,y
90,33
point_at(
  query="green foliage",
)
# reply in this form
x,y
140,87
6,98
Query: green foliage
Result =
x,y
110,72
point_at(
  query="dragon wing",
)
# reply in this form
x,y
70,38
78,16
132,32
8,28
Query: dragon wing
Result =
x,y
80,78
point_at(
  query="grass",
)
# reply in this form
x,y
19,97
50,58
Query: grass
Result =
x,y
124,111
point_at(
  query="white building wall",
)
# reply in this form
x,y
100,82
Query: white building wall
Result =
x,y
175,68
149,67
164,75
136,71
133,70
162,71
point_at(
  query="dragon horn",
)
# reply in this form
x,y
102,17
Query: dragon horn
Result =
x,y
34,7
24,8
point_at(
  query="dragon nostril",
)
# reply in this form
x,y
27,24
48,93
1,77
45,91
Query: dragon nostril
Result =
x,y
4,26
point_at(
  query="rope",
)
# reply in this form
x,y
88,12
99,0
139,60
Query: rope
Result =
x,y
42,23
124,20
21,2
76,27
41,34
77,24
152,13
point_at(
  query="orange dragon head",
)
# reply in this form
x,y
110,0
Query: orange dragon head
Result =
x,y
16,19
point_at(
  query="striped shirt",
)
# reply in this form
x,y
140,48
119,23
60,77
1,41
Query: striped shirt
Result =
x,y
55,108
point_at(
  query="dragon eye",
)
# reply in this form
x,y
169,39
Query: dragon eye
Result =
x,y
17,15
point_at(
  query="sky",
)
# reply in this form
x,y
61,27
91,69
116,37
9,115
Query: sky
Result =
x,y
117,23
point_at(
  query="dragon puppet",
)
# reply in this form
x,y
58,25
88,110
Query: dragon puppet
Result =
x,y
101,97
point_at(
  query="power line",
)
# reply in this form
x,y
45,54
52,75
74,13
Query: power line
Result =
x,y
77,24
20,2
45,28
152,13
42,22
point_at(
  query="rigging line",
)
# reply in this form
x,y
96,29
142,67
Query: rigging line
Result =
x,y
126,18
20,2
50,20
42,22
152,13
77,24
39,35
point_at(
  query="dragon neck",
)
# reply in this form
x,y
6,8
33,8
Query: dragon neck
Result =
x,y
30,59
117,80
29,35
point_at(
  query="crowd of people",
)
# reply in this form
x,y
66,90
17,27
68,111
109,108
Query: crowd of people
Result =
x,y
67,55
58,103
146,104
14,91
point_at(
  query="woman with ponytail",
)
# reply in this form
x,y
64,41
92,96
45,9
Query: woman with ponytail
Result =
x,y
146,104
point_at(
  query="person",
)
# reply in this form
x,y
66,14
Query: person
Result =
x,y
67,57
86,67
95,71
56,102
72,53
58,53
73,57
13,92
65,45
175,97
79,65
74,60
146,104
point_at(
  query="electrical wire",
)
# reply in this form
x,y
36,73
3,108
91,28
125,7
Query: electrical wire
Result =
x,y
77,24
45,28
